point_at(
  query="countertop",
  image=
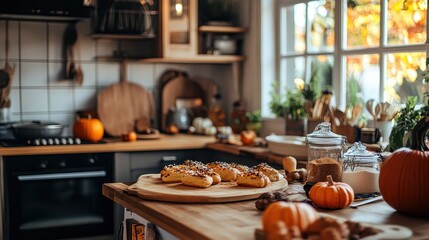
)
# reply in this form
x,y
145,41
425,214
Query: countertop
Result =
x,y
238,220
165,142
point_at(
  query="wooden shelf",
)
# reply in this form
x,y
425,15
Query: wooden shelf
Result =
x,y
222,29
123,36
213,59
208,59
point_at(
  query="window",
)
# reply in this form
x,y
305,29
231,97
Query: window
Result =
x,y
360,49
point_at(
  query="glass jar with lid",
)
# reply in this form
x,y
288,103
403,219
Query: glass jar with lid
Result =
x,y
325,154
361,169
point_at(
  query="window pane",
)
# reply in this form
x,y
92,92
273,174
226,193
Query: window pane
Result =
x,y
363,78
321,20
292,71
321,71
406,21
363,23
404,76
292,23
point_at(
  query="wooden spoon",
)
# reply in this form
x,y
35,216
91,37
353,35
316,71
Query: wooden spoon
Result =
x,y
370,107
377,111
4,73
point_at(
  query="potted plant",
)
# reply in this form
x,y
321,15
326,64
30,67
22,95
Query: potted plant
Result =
x,y
408,117
295,122
275,124
254,121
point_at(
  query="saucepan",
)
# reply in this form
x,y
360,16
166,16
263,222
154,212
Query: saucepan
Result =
x,y
37,129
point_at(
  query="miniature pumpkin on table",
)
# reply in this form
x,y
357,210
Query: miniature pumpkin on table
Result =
x,y
331,195
404,175
292,214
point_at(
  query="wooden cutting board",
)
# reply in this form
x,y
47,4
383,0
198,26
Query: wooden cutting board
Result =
x,y
150,187
121,104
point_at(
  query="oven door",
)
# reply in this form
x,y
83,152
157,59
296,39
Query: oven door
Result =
x,y
58,204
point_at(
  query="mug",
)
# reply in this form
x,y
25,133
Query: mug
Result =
x,y
370,135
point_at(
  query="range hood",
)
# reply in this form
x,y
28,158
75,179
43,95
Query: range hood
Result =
x,y
61,10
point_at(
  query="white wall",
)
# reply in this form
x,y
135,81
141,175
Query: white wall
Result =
x,y
38,93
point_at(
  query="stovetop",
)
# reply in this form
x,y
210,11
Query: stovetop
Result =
x,y
45,142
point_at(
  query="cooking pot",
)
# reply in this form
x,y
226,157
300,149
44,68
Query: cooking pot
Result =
x,y
37,129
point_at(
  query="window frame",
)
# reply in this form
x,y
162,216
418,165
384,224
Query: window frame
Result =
x,y
340,53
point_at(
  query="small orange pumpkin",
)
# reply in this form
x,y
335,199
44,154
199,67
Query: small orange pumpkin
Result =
x,y
292,214
332,195
404,175
90,129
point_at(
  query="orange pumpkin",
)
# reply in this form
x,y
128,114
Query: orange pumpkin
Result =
x,y
404,175
332,195
292,214
90,129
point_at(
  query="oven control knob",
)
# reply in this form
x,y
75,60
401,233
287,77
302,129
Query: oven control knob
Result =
x,y
91,160
63,141
77,141
44,142
43,164
62,164
36,142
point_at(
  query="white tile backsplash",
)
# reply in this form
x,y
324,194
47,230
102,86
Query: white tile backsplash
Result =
x,y
35,117
33,40
89,75
34,74
108,73
15,100
141,74
39,90
60,100
34,100
85,98
13,53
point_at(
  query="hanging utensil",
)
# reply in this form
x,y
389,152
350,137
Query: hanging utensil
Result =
x,y
4,73
5,91
70,39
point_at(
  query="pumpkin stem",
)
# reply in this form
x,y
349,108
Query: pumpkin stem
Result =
x,y
330,180
419,134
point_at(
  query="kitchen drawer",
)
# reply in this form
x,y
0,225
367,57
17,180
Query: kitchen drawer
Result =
x,y
157,159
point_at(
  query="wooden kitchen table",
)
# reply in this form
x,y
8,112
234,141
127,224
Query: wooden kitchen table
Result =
x,y
238,220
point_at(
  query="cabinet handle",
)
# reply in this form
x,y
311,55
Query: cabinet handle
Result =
x,y
169,158
52,176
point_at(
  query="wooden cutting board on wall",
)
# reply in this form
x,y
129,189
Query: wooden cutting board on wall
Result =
x,y
150,187
121,104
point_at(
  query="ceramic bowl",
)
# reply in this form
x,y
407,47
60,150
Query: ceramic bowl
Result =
x,y
287,145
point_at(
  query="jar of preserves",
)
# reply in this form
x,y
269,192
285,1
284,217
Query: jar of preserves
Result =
x,y
361,169
325,154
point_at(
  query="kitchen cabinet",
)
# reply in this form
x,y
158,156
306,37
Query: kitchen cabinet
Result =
x,y
130,165
135,27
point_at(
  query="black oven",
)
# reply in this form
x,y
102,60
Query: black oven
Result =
x,y
57,196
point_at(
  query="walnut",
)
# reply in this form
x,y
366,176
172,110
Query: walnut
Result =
x,y
355,228
330,233
266,198
325,222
